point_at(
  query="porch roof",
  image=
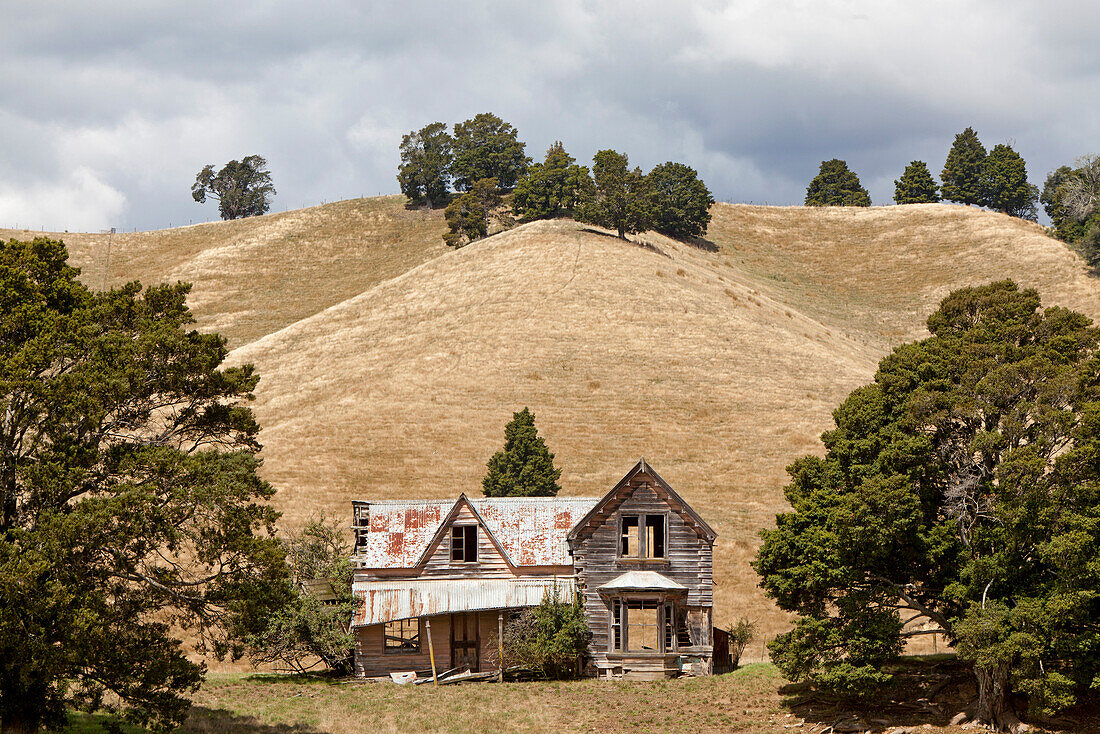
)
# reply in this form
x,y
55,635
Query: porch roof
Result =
x,y
642,581
385,601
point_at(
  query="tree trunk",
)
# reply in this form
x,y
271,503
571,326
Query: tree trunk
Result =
x,y
15,725
993,707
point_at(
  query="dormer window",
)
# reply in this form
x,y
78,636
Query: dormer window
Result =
x,y
642,536
464,544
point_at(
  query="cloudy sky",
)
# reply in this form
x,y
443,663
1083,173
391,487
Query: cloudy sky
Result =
x,y
108,110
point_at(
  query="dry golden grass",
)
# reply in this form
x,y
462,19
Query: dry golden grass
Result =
x,y
254,276
400,362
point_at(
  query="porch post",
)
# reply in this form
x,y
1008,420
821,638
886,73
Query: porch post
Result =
x,y
500,646
431,648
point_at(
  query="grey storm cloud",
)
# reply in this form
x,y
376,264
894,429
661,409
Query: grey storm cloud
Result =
x,y
108,112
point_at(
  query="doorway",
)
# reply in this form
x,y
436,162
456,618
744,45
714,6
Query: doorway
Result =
x,y
465,641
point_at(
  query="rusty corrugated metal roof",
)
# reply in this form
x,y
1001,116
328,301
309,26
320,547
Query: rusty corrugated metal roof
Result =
x,y
532,530
385,601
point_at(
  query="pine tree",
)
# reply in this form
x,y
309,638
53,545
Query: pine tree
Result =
x,y
552,188
836,185
1004,183
681,201
916,185
524,467
962,173
622,198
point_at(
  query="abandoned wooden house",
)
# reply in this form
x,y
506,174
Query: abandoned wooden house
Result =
x,y
451,571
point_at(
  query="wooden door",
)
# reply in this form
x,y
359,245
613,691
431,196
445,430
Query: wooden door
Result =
x,y
465,641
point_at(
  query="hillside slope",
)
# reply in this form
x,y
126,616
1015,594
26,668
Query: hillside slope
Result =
x,y
390,364
718,367
256,275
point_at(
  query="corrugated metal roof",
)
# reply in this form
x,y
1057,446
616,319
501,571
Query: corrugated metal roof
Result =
x,y
385,601
532,530
642,581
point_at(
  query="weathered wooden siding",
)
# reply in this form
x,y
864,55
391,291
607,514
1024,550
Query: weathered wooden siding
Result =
x,y
689,562
371,660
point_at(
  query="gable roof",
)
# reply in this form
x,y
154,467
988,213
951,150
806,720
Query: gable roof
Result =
x,y
610,501
528,531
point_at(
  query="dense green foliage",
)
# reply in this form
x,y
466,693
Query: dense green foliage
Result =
x,y
308,628
622,198
1071,198
242,188
916,185
963,171
425,170
836,185
487,147
962,486
551,189
741,633
551,638
468,215
681,201
129,496
525,466
1004,184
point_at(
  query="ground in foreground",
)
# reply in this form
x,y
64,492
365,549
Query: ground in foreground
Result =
x,y
754,698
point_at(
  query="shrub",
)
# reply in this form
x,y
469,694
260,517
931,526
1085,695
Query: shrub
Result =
x,y
551,638
740,635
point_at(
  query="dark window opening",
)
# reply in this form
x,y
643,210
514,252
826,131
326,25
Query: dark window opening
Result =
x,y
616,626
654,536
464,543
402,636
628,541
669,625
642,536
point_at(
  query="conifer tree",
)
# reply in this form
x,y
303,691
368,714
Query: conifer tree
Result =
x,y
552,188
622,199
963,171
524,467
916,185
681,201
836,185
1004,183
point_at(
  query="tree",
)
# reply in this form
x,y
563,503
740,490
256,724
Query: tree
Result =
x,y
309,629
242,188
916,185
525,467
681,201
553,188
1066,226
962,487
551,638
425,170
836,185
468,215
621,198
1004,184
1081,192
129,496
486,147
963,171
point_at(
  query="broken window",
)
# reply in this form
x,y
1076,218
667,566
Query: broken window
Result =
x,y
642,536
464,543
402,636
616,625
643,632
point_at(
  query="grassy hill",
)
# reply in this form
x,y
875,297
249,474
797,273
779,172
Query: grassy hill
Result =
x,y
390,365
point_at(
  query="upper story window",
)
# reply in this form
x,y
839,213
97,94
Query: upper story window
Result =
x,y
642,536
464,543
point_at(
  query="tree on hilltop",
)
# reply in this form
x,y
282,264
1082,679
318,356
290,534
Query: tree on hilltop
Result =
x,y
425,170
622,199
553,188
468,215
1004,184
242,188
916,185
961,487
486,146
130,501
962,173
836,185
681,201
525,466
